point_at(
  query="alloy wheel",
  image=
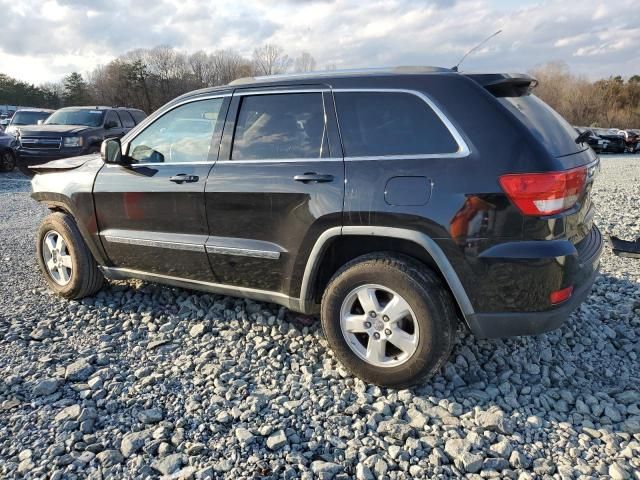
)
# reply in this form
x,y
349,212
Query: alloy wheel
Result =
x,y
379,325
56,257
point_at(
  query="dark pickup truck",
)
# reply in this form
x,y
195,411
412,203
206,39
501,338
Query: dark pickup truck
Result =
x,y
73,131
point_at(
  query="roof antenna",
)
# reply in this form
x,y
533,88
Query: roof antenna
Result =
x,y
455,69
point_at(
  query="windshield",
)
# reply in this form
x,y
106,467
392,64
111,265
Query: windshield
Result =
x,y
89,118
28,118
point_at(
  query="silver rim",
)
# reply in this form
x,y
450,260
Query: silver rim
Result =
x,y
56,257
379,325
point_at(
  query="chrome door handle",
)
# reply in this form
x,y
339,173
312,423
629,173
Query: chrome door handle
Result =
x,y
184,178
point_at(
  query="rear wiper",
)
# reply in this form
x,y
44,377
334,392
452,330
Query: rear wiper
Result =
x,y
583,137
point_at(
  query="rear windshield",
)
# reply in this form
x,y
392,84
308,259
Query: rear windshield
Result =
x,y
545,123
89,118
28,118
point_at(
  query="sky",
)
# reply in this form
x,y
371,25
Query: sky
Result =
x,y
43,40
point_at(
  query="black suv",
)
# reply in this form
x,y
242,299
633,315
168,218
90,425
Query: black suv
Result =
x,y
74,131
387,200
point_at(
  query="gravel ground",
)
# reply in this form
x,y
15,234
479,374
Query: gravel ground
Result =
x,y
144,380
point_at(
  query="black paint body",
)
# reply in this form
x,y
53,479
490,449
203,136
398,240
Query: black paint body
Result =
x,y
507,264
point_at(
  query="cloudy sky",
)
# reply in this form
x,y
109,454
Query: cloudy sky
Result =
x,y
44,40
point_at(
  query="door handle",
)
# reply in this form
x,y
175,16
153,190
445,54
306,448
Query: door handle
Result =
x,y
184,178
312,177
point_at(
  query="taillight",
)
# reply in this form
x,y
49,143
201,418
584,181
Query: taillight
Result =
x,y
544,193
559,296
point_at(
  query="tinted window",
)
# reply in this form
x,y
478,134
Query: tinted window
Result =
x,y
546,124
126,119
28,118
181,135
384,123
138,115
112,119
71,116
280,126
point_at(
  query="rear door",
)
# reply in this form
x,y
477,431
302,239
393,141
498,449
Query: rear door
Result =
x,y
278,184
151,213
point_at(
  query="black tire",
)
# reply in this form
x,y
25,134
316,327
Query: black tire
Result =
x,y
85,278
7,161
425,294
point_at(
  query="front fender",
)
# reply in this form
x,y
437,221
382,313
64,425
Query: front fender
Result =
x,y
71,191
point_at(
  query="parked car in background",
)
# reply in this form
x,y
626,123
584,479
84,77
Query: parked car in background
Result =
x,y
598,144
631,139
73,131
616,141
27,116
379,199
8,144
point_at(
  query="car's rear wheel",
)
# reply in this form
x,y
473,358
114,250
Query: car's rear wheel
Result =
x,y
389,319
7,161
65,260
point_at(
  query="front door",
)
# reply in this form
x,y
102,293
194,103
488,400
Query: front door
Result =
x,y
278,184
151,213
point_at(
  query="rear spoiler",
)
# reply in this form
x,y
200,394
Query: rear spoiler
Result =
x,y
505,84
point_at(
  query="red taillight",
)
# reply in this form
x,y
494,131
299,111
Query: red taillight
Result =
x,y
561,295
544,193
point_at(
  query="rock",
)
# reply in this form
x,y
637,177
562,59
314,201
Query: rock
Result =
x,y
78,371
244,436
169,464
363,472
325,469
518,460
277,440
396,429
616,472
95,383
46,386
197,330
71,412
152,415
494,421
40,334
133,442
416,418
495,464
469,462
196,449
109,458
455,447
502,448
544,466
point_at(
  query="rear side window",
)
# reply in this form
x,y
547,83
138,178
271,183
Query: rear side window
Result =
x,y
138,115
390,124
280,126
127,120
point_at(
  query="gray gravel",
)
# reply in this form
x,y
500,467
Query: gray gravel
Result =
x,y
143,380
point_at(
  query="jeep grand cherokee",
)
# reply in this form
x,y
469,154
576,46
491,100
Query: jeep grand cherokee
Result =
x,y
387,200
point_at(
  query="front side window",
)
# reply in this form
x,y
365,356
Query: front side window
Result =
x,y
390,123
280,126
182,135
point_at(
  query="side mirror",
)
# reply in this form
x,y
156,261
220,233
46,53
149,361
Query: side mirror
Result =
x,y
111,151
110,125
40,122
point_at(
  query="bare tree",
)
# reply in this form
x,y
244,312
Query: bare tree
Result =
x,y
304,63
270,60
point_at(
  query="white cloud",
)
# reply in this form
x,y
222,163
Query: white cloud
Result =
x,y
44,40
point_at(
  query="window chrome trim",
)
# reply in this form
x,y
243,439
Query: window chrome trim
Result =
x,y
463,148
278,91
284,160
192,247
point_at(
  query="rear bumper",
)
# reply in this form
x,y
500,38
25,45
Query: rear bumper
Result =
x,y
580,271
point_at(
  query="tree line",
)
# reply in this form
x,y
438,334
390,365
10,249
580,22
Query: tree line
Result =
x,y
148,78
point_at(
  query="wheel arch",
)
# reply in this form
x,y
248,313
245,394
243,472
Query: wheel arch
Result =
x,y
323,261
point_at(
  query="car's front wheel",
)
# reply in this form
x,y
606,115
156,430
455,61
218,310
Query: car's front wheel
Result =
x,y
7,161
389,319
65,260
